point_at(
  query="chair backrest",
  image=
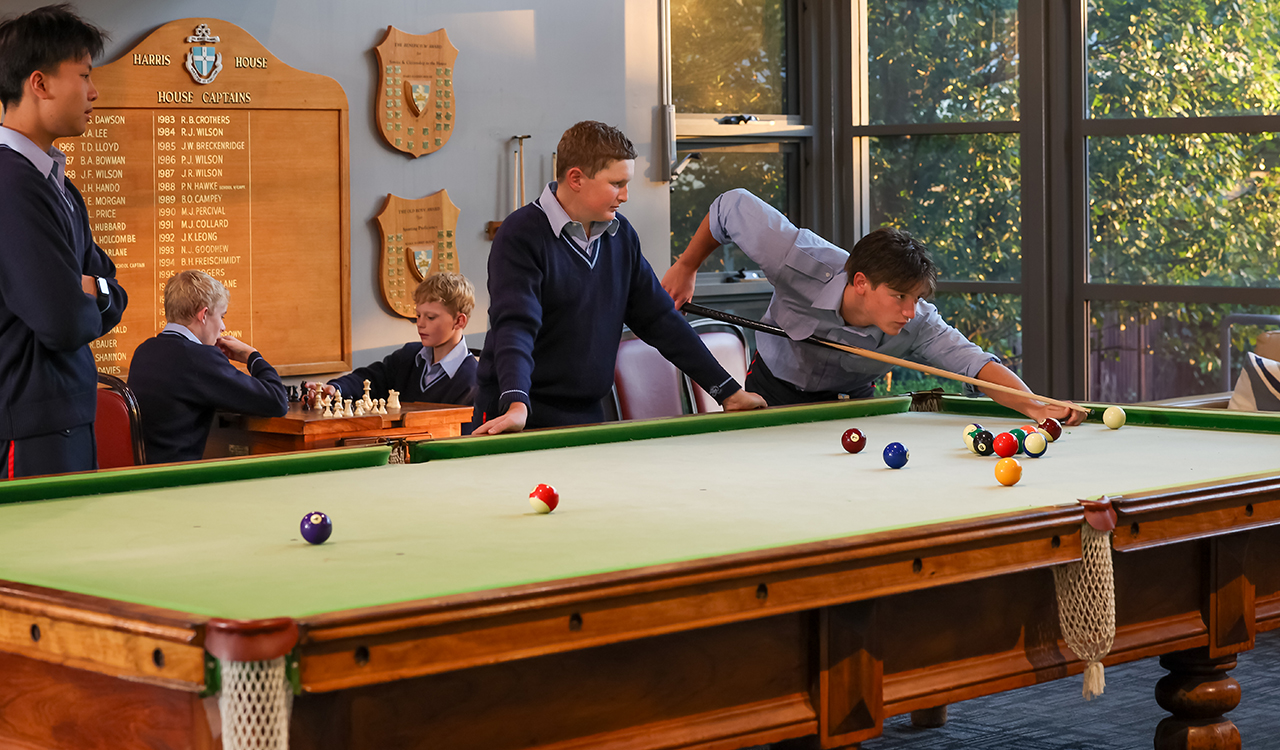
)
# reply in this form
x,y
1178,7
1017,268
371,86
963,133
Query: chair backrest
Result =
x,y
729,347
1268,345
648,385
118,425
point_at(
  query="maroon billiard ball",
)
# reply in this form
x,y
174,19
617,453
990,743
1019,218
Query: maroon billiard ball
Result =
x,y
1053,427
853,440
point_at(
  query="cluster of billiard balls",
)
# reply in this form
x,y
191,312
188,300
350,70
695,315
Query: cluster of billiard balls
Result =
x,y
1031,440
895,454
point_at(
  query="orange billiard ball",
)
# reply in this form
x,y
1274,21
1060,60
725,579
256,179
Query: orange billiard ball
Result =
x,y
1008,471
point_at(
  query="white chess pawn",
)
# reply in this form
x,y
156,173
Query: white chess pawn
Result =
x,y
349,412
382,406
328,412
359,409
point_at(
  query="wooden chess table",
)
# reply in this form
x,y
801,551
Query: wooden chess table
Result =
x,y
300,430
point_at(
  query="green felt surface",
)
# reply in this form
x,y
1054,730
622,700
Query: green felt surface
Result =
x,y
461,525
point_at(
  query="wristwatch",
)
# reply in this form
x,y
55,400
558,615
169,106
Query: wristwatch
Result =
x,y
104,290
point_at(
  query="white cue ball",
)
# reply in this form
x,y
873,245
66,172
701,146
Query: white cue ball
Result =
x,y
1114,417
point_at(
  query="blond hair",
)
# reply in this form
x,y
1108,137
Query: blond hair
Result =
x,y
449,289
591,146
189,292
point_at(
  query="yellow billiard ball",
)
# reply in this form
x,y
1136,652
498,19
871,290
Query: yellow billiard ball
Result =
x,y
1114,417
1008,471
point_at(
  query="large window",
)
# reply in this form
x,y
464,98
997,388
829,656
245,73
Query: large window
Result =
x,y
738,115
1099,180
940,133
1182,209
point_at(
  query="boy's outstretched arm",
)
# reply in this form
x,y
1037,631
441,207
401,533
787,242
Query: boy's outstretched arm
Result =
x,y
994,372
679,280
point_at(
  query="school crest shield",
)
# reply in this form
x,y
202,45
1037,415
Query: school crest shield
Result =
x,y
415,105
204,62
418,241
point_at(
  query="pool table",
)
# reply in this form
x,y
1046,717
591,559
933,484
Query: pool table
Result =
x,y
717,581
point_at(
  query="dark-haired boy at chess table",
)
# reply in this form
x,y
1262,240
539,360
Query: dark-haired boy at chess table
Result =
x,y
184,374
437,368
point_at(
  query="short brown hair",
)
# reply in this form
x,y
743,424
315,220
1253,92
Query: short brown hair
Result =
x,y
892,256
190,292
590,146
449,289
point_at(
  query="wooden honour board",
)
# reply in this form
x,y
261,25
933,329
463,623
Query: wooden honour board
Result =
x,y
417,241
245,177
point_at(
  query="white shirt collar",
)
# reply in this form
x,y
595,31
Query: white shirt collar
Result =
x,y
449,362
181,330
52,163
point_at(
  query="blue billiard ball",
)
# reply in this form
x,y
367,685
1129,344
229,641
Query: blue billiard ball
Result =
x,y
316,527
896,455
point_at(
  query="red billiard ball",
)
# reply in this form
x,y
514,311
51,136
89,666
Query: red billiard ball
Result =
x,y
853,440
1053,427
544,498
316,527
1005,445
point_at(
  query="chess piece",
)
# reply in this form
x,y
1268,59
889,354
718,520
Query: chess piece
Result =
x,y
382,406
359,408
327,411
393,400
349,411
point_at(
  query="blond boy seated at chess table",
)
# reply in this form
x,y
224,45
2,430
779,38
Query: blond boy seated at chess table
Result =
x,y
184,374
437,368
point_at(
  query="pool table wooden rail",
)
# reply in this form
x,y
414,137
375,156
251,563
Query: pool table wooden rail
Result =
x,y
450,633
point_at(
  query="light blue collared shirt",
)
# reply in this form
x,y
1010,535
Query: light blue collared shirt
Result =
x,y
448,364
809,279
181,330
52,164
563,226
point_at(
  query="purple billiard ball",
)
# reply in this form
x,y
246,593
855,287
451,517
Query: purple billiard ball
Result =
x,y
316,527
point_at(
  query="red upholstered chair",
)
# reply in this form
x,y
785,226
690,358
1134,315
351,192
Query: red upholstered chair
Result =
x,y
118,426
729,346
647,385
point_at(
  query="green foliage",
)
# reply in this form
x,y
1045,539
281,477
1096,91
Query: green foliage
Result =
x,y
1183,58
932,61
762,169
1199,209
729,56
1141,351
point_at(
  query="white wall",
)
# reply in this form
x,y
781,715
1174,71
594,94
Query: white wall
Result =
x,y
524,67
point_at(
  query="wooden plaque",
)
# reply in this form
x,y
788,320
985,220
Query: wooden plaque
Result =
x,y
417,241
205,151
415,107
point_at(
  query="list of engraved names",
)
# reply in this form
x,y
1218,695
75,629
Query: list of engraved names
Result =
x,y
166,190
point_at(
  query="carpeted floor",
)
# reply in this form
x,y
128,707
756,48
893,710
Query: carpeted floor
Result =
x,y
1053,716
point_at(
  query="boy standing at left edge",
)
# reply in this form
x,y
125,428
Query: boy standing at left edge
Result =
x,y
57,287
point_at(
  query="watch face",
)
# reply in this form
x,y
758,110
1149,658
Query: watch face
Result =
x,y
103,288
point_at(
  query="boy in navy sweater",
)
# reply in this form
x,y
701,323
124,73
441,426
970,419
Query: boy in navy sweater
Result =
x,y
437,367
565,275
57,287
184,374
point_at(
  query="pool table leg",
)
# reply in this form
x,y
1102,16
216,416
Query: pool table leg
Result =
x,y
1197,691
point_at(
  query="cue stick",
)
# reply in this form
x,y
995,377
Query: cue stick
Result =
x,y
756,325
520,162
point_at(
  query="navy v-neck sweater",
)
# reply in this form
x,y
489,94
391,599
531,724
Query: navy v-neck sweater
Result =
x,y
556,318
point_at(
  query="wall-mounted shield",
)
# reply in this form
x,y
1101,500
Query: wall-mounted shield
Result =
x,y
415,107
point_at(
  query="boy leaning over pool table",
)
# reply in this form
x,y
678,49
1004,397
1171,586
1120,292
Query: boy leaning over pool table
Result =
x,y
872,298
565,275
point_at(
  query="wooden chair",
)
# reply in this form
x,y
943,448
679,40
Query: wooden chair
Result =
x,y
647,385
118,426
729,346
